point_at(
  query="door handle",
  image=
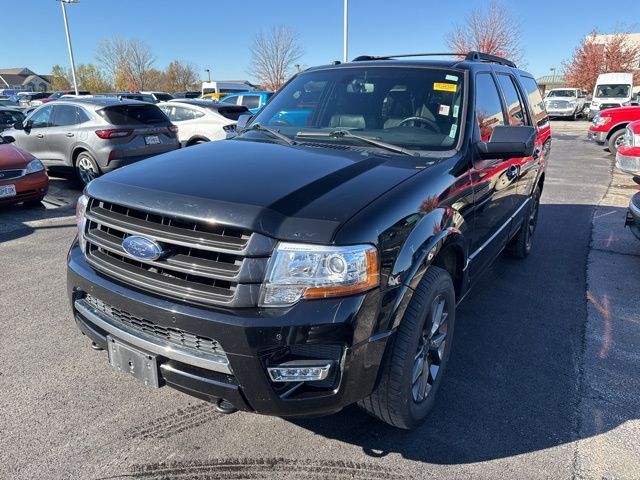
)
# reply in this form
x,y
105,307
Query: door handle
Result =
x,y
69,134
39,135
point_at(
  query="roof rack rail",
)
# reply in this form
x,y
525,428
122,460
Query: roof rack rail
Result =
x,y
472,56
486,57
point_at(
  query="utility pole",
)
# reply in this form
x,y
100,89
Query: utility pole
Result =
x,y
66,28
345,57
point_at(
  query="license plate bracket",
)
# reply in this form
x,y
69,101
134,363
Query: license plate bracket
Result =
x,y
7,190
140,365
152,140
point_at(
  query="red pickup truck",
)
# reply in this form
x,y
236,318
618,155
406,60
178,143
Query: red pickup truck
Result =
x,y
628,160
609,126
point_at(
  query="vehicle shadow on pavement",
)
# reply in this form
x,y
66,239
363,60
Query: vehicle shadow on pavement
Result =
x,y
513,381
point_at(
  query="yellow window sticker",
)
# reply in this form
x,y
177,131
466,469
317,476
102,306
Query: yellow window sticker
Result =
x,y
445,87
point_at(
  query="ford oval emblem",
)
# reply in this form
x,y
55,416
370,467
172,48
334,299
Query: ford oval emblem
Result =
x,y
142,248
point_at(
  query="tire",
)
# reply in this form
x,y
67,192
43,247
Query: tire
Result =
x,y
34,203
615,140
418,354
86,168
520,245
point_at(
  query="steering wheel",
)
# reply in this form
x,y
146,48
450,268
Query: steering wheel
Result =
x,y
422,120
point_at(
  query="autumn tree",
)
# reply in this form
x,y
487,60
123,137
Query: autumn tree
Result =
x,y
492,30
273,56
91,78
180,76
127,62
601,54
59,78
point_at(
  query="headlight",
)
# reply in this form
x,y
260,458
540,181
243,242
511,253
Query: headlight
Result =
x,y
34,166
81,207
599,120
573,103
299,271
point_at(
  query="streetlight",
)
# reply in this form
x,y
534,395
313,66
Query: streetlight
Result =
x,y
66,28
553,74
346,31
208,73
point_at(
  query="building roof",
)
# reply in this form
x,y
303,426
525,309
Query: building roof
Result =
x,y
551,79
16,71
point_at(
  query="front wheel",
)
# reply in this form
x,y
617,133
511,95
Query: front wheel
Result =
x,y
86,168
413,370
616,140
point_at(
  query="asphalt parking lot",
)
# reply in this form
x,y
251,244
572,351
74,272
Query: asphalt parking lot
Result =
x,y
542,383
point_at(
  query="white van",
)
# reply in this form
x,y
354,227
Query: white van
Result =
x,y
612,90
216,90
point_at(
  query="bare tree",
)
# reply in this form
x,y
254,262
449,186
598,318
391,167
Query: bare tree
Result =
x,y
127,61
611,53
492,31
273,55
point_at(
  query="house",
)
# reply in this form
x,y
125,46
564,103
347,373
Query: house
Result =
x,y
24,79
548,82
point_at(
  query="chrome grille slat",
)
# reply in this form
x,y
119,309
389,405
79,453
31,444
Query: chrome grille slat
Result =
x,y
202,262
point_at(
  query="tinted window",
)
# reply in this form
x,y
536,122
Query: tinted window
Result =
x,y
535,101
40,118
7,117
515,108
230,100
231,112
488,105
163,97
133,115
250,101
67,115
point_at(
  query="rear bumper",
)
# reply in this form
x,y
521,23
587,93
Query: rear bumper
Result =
x,y
252,339
633,215
109,165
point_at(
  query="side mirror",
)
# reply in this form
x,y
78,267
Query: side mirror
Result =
x,y
8,139
18,126
509,142
243,121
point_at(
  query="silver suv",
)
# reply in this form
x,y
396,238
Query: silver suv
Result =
x,y
94,135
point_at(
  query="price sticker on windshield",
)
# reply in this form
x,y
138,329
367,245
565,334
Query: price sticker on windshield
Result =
x,y
445,87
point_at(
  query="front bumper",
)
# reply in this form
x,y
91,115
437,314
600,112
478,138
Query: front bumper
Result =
x,y
561,112
597,136
30,187
633,215
252,339
628,163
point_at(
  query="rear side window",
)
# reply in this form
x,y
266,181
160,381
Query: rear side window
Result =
x,y
64,115
133,115
230,100
230,112
250,101
488,105
515,108
535,101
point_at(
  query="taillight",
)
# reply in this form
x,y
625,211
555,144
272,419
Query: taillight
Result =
x,y
113,133
173,128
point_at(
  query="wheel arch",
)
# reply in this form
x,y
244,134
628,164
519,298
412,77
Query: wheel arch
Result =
x,y
76,153
196,138
617,127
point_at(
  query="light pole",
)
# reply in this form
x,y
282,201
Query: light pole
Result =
x,y
346,31
553,74
66,28
208,74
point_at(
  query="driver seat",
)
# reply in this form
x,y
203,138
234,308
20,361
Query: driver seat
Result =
x,y
397,106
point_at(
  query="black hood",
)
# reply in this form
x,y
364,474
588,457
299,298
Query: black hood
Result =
x,y
288,192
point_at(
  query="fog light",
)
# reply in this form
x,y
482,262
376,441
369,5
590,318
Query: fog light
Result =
x,y
300,371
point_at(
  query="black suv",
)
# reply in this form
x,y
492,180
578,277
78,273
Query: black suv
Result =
x,y
316,259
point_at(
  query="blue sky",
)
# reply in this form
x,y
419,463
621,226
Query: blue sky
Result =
x,y
217,35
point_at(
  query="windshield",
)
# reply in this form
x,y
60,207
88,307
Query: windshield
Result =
x,y
611,91
415,108
562,93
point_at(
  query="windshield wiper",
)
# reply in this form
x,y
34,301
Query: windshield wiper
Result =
x,y
270,131
369,140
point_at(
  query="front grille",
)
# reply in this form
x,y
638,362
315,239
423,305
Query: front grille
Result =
x,y
203,263
175,336
11,173
558,104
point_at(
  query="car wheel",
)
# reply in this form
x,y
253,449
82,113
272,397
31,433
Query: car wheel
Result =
x,y
520,245
34,203
86,168
414,367
616,140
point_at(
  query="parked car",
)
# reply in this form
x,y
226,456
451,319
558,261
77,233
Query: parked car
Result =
x,y
294,270
60,93
609,126
254,101
22,176
612,90
141,97
12,101
189,94
95,135
159,96
628,160
201,121
34,99
9,116
565,102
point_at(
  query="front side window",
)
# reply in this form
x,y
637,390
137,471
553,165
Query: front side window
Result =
x,y
515,108
411,107
250,101
536,103
41,118
9,117
488,105
230,100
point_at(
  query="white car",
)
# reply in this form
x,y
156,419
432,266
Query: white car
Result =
x,y
201,121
